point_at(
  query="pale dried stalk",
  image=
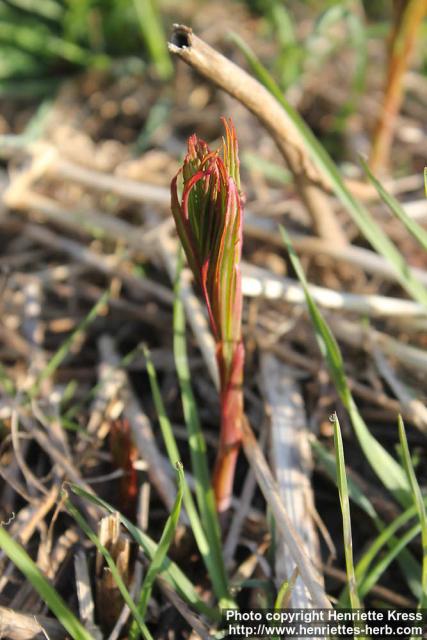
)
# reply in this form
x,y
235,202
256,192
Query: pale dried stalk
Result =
x,y
255,97
20,626
292,539
307,363
409,403
291,461
357,335
261,282
83,588
85,221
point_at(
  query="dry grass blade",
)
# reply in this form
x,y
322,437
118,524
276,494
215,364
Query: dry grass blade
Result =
x,y
109,265
21,626
84,589
357,335
411,405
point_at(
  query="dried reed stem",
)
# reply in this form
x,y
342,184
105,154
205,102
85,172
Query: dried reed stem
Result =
x,y
292,539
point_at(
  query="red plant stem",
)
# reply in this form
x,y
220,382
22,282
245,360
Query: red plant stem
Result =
x,y
230,436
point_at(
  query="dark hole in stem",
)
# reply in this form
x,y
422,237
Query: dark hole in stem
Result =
x,y
181,38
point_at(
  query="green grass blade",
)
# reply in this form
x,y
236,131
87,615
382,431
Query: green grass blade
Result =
x,y
47,593
376,572
386,537
346,519
385,466
219,582
420,506
270,170
409,567
285,591
204,491
170,571
160,553
361,216
284,594
48,9
65,347
75,513
154,37
42,43
416,230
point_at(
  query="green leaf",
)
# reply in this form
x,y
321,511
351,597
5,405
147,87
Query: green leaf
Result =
x,y
407,563
47,593
398,545
386,537
160,554
205,538
170,571
419,504
329,464
285,591
418,232
111,565
204,492
346,519
152,32
385,466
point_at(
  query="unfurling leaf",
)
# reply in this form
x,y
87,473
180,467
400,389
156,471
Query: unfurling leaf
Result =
x,y
208,217
207,206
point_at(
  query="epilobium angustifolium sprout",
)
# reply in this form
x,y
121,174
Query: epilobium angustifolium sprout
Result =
x,y
208,217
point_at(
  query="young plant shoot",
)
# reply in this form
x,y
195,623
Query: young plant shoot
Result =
x,y
207,206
